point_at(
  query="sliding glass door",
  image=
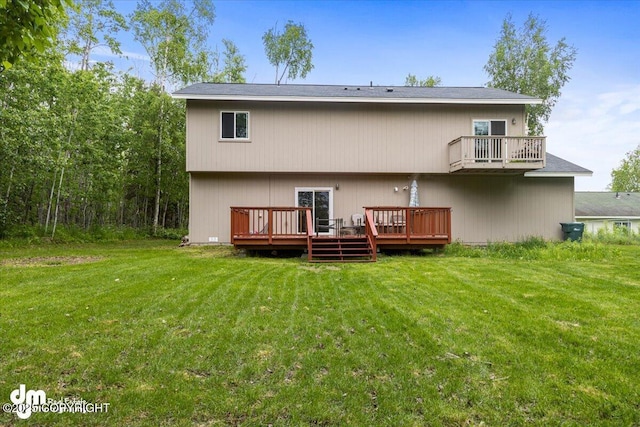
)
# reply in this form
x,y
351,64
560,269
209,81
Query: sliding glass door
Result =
x,y
320,200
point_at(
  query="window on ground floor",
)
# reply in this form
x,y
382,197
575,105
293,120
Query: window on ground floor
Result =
x,y
622,224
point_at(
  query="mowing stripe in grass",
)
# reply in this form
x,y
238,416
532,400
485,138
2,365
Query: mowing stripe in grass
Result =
x,y
198,336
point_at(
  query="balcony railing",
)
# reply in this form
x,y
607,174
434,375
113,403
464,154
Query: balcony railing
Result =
x,y
497,152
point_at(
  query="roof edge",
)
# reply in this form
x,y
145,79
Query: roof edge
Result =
x,y
492,101
538,174
604,217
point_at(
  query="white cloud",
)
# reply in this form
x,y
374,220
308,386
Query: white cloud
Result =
x,y
105,51
596,130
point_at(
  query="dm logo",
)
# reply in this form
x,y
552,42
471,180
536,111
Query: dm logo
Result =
x,y
25,400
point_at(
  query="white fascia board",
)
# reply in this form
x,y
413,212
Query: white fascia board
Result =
x,y
372,100
609,217
534,174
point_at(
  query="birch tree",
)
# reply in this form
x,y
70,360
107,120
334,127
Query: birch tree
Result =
x,y
94,24
290,51
173,37
233,68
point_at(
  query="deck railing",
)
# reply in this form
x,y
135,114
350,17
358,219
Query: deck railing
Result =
x,y
270,223
371,232
484,152
285,227
411,222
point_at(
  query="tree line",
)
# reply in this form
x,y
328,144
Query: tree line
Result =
x,y
88,146
85,145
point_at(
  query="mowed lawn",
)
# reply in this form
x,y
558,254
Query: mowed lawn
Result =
x,y
202,336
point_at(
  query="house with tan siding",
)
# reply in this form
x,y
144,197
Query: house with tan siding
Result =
x,y
277,165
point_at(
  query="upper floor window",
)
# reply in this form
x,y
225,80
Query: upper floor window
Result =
x,y
234,125
490,127
489,149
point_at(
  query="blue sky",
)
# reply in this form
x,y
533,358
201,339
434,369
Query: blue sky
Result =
x,y
595,123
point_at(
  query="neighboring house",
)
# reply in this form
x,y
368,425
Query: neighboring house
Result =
x,y
598,209
335,150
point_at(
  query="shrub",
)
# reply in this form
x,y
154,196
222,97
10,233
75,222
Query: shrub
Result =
x,y
74,234
614,235
535,248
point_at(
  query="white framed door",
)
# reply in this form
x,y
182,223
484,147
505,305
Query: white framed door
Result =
x,y
320,200
489,149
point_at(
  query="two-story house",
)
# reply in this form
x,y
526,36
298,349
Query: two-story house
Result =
x,y
269,164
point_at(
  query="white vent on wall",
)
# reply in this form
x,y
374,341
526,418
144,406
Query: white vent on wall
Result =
x,y
213,240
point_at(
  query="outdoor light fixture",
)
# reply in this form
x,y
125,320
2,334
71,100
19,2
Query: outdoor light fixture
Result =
x,y
513,121
395,189
337,186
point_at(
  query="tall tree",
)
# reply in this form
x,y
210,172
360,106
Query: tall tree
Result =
x,y
30,133
234,66
173,38
627,176
28,27
430,81
92,24
289,51
523,61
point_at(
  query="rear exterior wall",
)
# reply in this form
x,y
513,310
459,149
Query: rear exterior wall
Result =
x,y
486,208
290,137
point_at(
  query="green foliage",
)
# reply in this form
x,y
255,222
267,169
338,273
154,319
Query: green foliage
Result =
x,y
91,24
174,38
28,28
3,218
234,65
626,177
88,136
431,81
198,336
611,234
23,235
535,248
523,62
291,49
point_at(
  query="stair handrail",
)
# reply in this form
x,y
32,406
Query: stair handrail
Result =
x,y
371,232
309,220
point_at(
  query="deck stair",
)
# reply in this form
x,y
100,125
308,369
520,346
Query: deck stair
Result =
x,y
340,249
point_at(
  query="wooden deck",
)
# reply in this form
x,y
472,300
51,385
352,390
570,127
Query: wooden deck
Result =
x,y
385,227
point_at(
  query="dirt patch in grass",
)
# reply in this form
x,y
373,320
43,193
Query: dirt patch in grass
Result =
x,y
318,269
52,261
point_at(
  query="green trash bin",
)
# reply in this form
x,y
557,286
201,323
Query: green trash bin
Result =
x,y
572,231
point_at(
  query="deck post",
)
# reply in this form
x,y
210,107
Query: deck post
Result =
x,y
270,225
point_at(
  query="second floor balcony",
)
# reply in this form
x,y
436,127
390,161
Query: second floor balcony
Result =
x,y
497,153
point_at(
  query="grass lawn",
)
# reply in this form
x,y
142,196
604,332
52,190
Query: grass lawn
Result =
x,y
201,336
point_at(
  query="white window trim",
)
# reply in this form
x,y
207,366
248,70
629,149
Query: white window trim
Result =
x,y
622,223
235,139
329,189
506,125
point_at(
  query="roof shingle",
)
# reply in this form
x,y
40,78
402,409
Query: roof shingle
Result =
x,y
350,93
607,204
